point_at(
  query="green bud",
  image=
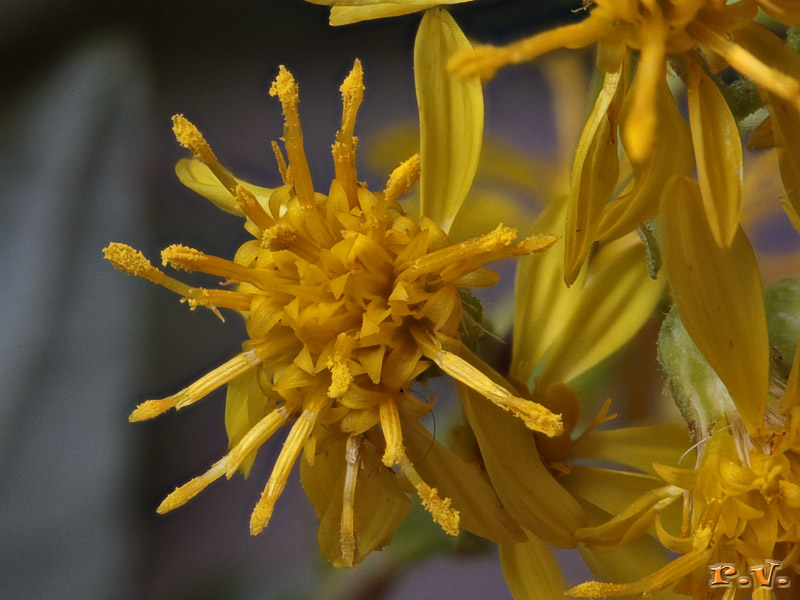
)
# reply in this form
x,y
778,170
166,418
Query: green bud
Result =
x,y
699,393
782,303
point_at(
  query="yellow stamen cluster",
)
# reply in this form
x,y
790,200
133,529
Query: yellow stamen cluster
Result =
x,y
346,297
738,513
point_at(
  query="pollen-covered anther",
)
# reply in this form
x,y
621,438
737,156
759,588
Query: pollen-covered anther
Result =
x,y
441,509
282,237
190,138
189,259
285,88
251,207
339,365
131,261
402,179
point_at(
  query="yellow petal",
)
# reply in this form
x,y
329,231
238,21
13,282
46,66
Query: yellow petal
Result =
x,y
531,571
542,301
199,178
380,504
718,295
480,510
637,447
718,151
639,137
622,215
451,119
345,12
594,175
618,298
245,405
528,491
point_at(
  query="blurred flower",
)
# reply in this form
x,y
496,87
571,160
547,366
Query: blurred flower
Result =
x,y
347,301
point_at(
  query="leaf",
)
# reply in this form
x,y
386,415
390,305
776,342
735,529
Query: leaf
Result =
x,y
451,118
717,292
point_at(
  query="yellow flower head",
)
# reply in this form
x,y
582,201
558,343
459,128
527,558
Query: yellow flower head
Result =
x,y
346,301
654,28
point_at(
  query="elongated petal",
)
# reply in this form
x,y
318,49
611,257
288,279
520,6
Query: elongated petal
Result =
x,y
480,510
718,151
543,303
199,178
245,405
594,175
380,504
637,447
345,12
528,491
451,119
718,295
531,571
617,300
624,214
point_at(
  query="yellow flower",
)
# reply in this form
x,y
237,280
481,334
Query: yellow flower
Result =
x,y
347,301
742,501
608,196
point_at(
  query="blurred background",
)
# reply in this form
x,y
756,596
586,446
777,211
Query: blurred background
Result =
x,y
87,157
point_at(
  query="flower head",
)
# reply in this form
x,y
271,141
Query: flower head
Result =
x,y
347,301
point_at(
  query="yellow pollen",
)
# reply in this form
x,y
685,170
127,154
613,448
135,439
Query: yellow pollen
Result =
x,y
392,432
402,179
341,378
190,138
441,509
285,87
132,262
251,207
189,259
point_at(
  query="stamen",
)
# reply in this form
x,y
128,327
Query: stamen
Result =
x,y
283,466
441,510
281,236
344,149
284,170
486,60
341,378
347,528
285,87
253,439
190,138
392,432
402,179
252,208
535,416
189,259
187,491
239,364
133,262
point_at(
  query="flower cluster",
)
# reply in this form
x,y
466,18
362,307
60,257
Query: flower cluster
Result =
x,y
350,300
